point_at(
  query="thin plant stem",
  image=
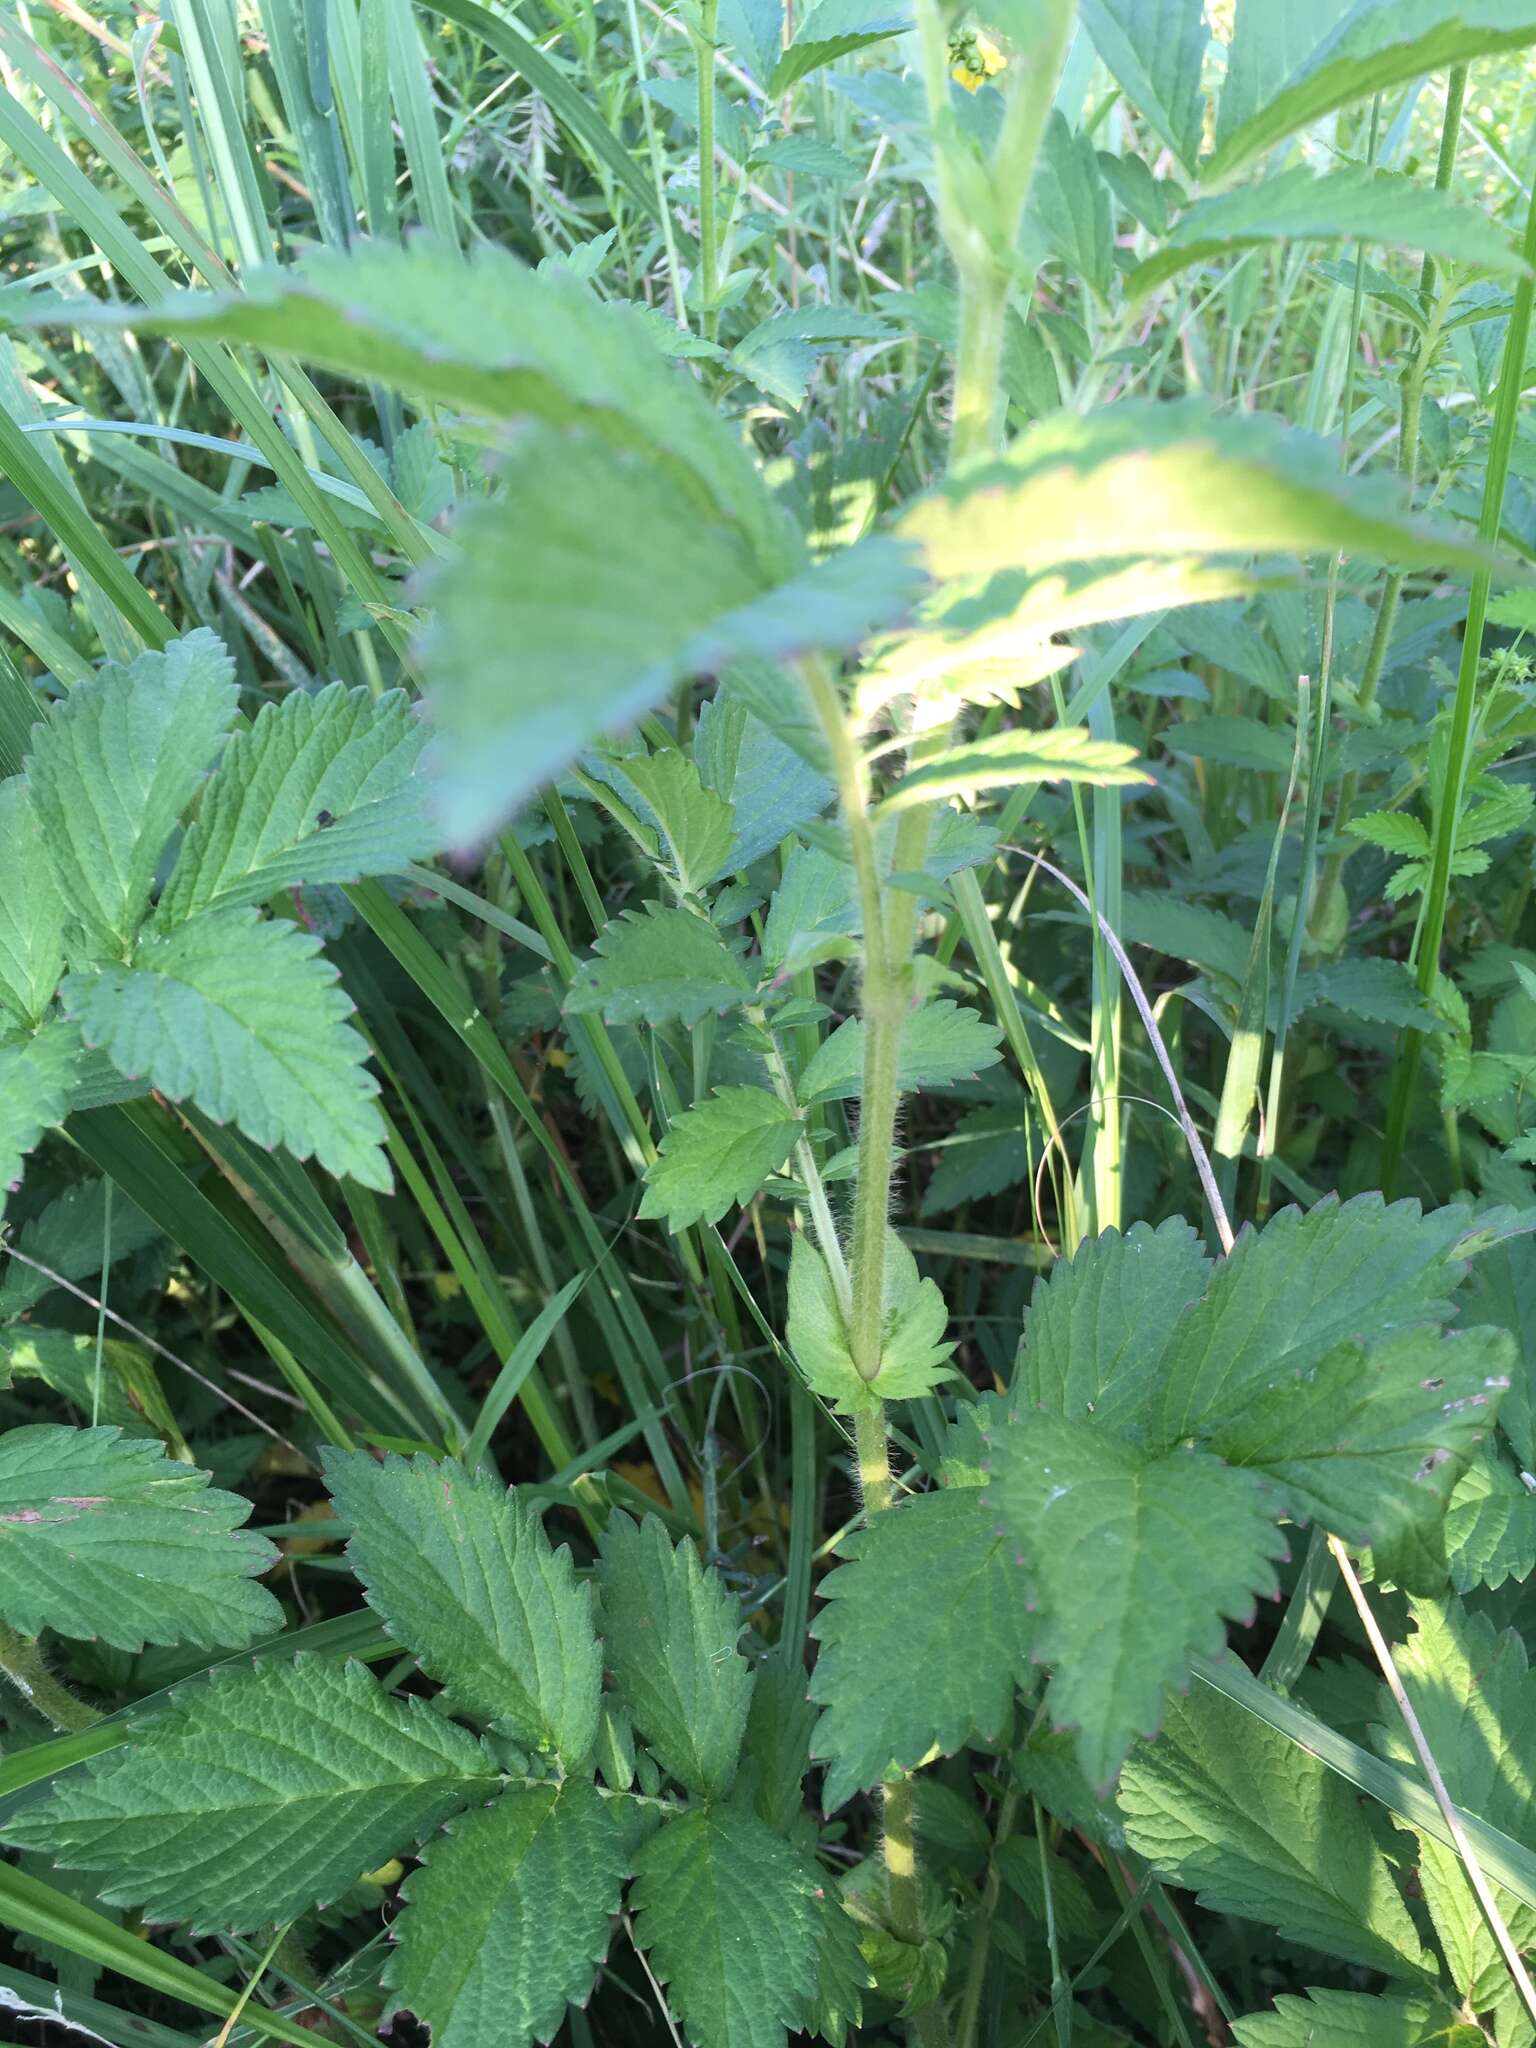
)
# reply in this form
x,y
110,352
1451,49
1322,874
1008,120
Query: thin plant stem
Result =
x,y
1434,306
1458,752
658,170
981,1937
704,52
1312,819
1487,1904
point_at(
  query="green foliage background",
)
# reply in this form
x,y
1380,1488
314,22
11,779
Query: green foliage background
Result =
x,y
767,991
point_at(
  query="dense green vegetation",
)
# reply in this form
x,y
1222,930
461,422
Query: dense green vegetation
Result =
x,y
767,1000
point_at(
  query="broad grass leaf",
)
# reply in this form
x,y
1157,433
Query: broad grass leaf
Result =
x,y
259,1794
669,1632
462,1574
244,1016
924,1636
508,1917
103,1537
1242,1816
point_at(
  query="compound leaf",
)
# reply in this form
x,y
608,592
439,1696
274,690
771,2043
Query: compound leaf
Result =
x,y
941,1044
697,823
320,788
1380,991
1228,1807
1154,48
1490,1525
243,1015
71,1236
770,789
1372,1440
31,911
462,1573
833,29
1378,44
1475,1696
1061,753
508,1916
103,1536
669,1630
483,334
113,767
36,1085
259,1794
1135,1559
730,1916
533,653
1157,481
912,1348
1098,1323
1355,2019
1382,207
1289,1293
925,1634
813,908
719,1152
655,966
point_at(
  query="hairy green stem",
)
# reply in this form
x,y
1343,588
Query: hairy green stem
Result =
x,y
1448,807
984,243
23,1664
984,256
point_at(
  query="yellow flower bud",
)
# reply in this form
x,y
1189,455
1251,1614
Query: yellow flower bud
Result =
x,y
975,58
